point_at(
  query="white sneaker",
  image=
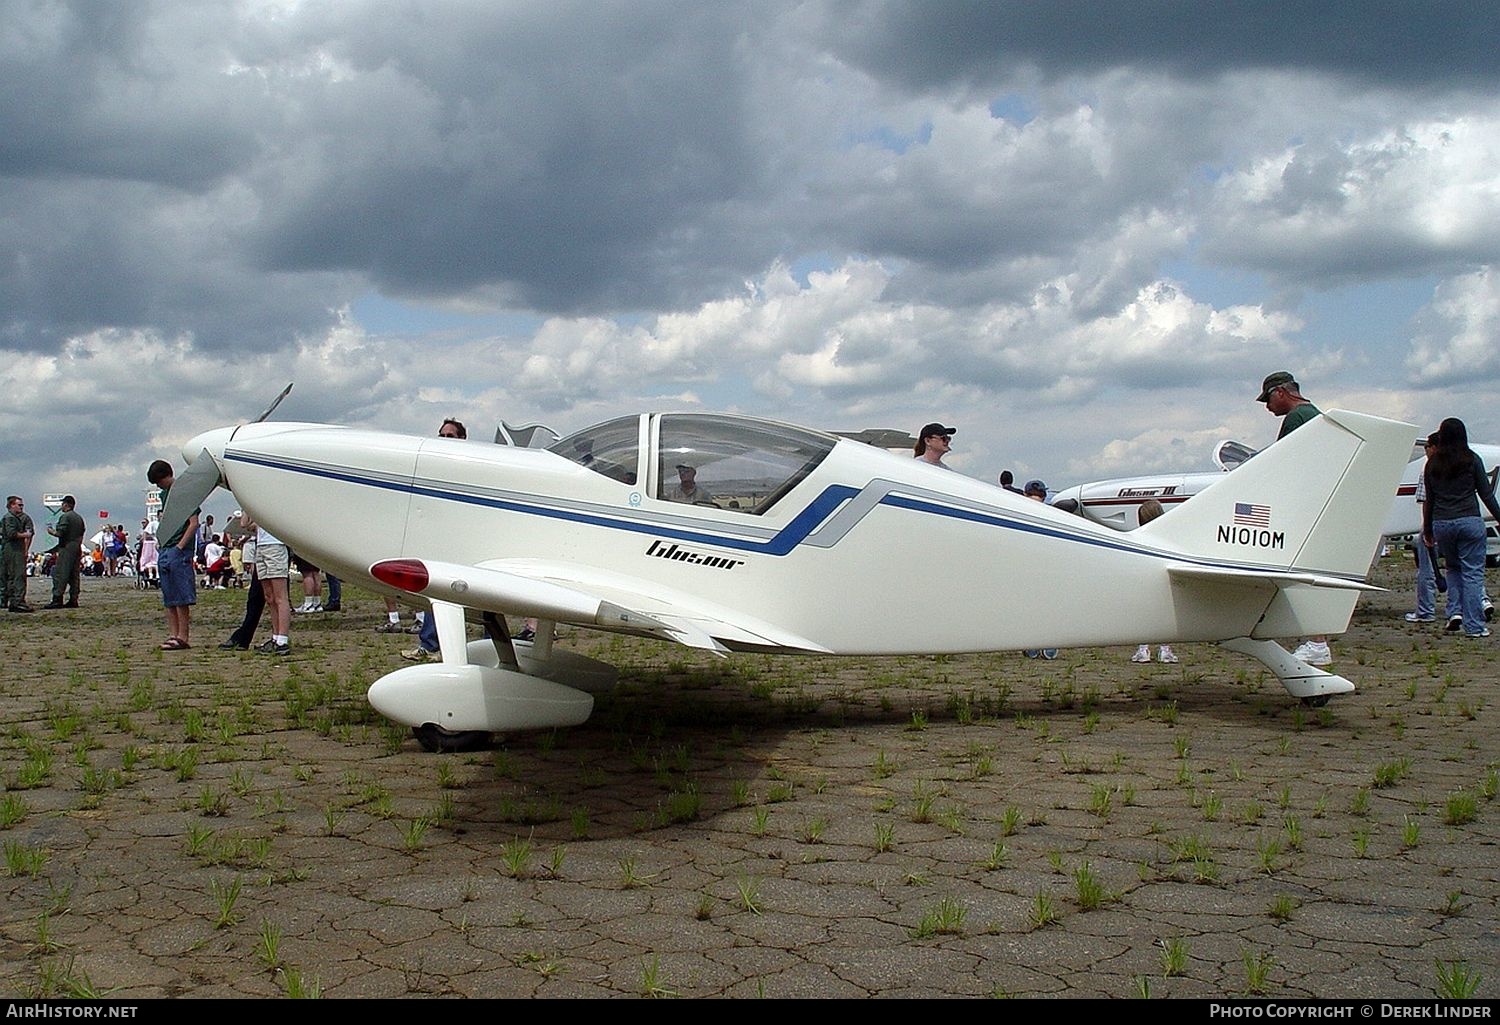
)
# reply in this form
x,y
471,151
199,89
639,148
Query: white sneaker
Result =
x,y
1142,654
1166,655
1313,653
419,654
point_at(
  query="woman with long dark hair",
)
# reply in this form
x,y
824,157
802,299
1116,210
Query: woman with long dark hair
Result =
x,y
1456,484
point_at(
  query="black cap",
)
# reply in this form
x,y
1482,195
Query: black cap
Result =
x,y
1274,381
1035,487
932,429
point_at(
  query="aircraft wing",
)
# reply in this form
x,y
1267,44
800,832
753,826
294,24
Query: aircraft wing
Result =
x,y
566,593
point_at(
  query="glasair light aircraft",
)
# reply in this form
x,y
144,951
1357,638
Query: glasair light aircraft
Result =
x,y
731,533
1116,502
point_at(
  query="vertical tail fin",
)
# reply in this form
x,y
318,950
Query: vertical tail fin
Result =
x,y
1314,501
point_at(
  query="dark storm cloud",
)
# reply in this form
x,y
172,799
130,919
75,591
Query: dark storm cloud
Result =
x,y
574,161
942,44
103,91
236,175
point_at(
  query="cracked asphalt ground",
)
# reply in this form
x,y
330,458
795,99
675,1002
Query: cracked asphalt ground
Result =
x,y
205,823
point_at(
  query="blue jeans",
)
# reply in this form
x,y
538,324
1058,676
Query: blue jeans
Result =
x,y
1426,581
427,636
1461,542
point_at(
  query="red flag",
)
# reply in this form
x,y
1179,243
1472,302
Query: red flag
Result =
x,y
104,514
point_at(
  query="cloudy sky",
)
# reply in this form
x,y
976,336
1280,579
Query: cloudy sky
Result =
x,y
1082,232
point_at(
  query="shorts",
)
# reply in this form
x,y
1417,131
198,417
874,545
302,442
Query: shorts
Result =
x,y
271,562
303,566
175,567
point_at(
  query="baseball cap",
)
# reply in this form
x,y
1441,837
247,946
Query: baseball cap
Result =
x,y
932,429
1274,381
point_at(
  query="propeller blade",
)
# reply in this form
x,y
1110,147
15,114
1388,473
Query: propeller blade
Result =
x,y
190,489
272,407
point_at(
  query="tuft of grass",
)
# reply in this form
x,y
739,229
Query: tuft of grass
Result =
x,y
213,802
1088,888
946,919
653,981
630,877
268,945
1388,774
1010,820
998,856
1282,907
747,895
413,833
298,986
1174,955
1456,980
225,896
515,858
682,805
1258,967
1462,808
12,810
1043,911
23,859
1291,826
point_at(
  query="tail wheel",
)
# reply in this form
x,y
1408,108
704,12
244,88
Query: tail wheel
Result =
x,y
434,738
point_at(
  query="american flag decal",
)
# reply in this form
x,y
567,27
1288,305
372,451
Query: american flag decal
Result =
x,y
1247,514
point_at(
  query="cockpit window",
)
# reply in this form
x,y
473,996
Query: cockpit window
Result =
x,y
733,463
611,448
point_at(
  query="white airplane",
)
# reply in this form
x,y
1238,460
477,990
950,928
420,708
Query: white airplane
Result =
x,y
791,541
1116,502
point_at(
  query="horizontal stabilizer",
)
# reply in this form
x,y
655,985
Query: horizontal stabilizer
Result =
x,y
1279,578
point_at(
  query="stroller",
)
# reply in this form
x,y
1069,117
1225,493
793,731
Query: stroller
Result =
x,y
145,563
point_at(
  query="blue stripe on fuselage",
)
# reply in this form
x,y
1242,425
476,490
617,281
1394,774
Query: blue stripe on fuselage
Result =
x,y
782,543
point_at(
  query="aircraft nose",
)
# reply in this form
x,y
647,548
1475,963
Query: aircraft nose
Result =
x,y
214,441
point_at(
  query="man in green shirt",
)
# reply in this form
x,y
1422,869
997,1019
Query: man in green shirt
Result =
x,y
66,574
1283,397
16,532
174,565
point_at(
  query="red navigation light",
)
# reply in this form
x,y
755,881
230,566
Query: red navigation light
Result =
x,y
403,574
